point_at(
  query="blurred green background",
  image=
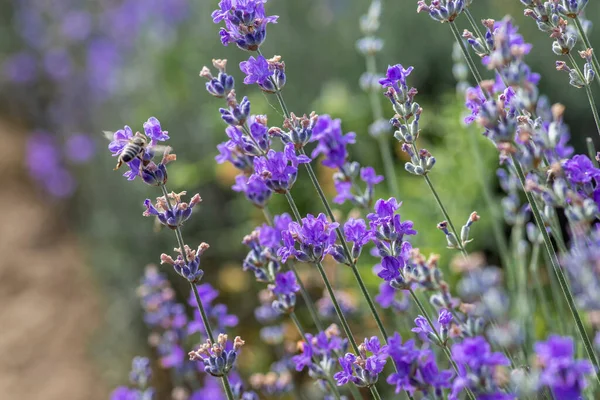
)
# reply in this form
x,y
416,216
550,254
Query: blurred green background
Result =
x,y
157,75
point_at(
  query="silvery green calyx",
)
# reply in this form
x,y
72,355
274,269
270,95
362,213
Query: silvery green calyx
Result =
x,y
466,229
220,85
187,265
260,260
299,130
575,79
419,164
217,360
450,237
588,70
564,40
442,10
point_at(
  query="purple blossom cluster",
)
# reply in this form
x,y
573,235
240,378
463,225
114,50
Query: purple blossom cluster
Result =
x,y
363,369
245,23
139,376
560,371
416,369
318,353
332,145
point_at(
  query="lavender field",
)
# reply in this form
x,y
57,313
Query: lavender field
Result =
x,y
327,199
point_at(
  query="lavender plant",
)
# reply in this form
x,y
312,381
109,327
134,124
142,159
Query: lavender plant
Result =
x,y
464,342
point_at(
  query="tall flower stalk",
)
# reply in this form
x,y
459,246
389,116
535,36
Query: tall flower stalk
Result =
x,y
477,43
137,151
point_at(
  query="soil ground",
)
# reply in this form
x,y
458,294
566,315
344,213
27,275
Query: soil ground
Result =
x,y
48,304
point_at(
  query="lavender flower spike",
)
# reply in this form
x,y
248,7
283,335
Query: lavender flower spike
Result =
x,y
268,74
172,216
279,170
188,266
316,237
245,22
363,370
285,288
217,360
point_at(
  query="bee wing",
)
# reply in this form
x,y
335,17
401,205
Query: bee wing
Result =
x,y
160,148
108,135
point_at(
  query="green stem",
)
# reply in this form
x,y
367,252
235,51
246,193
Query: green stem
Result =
x,y
384,146
533,268
471,64
492,205
591,151
205,320
588,92
558,270
475,26
588,45
446,215
302,332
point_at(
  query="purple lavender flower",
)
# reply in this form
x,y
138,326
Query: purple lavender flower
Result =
x,y
279,170
316,236
255,190
560,371
188,266
363,370
356,232
154,131
476,365
245,22
331,141
237,113
395,74
220,85
387,298
217,360
285,288
580,170
425,331
268,74
171,215
317,352
270,236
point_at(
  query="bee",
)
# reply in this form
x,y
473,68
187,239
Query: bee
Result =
x,y
135,147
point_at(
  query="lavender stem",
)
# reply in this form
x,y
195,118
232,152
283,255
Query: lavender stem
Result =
x,y
205,321
588,45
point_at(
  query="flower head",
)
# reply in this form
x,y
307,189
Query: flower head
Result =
x,y
279,170
171,215
254,189
315,235
332,142
561,372
363,369
580,170
268,74
187,266
395,74
217,360
285,288
245,22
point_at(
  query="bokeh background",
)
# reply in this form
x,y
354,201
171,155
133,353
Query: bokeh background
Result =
x,y
73,240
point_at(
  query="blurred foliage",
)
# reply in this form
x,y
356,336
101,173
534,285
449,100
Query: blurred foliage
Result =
x,y
316,38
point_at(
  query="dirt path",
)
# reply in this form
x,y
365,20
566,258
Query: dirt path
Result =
x,y
48,310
